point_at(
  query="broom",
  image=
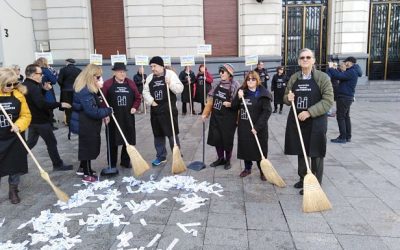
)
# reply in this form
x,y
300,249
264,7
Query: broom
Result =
x,y
266,166
59,193
178,165
314,198
138,163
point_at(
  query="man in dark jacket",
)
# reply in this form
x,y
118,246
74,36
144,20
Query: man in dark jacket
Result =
x,y
41,124
345,96
66,79
262,72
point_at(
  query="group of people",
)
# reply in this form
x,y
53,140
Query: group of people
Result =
x,y
90,102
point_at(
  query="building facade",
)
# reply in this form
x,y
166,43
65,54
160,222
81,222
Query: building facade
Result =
x,y
274,29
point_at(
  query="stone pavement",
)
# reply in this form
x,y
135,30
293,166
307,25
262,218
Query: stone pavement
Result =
x,y
362,180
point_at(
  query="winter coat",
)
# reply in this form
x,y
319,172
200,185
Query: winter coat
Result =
x,y
139,82
199,87
86,120
348,80
67,77
185,93
264,77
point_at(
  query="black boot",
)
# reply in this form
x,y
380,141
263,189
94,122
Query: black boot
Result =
x,y
227,165
219,162
274,111
13,194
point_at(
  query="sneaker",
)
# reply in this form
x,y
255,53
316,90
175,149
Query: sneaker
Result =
x,y
63,168
227,165
218,162
89,178
245,173
298,184
80,171
274,111
338,140
158,162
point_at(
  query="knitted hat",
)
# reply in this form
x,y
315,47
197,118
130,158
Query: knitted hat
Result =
x,y
70,60
119,66
157,60
228,67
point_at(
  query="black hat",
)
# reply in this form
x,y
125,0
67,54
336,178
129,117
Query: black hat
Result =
x,y
350,59
70,60
119,66
157,60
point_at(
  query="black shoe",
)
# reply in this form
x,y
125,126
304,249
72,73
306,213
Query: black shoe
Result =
x,y
338,140
200,113
274,111
280,111
55,128
63,168
348,140
298,184
126,165
301,192
218,162
227,165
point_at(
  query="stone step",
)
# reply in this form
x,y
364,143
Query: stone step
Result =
x,y
378,99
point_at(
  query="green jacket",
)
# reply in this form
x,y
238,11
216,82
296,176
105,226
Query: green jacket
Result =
x,y
324,83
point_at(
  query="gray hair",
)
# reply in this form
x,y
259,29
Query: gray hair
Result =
x,y
304,50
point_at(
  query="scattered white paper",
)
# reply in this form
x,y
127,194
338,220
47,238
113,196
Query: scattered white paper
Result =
x,y
154,240
143,222
124,238
173,243
161,202
8,245
139,207
2,221
191,231
190,201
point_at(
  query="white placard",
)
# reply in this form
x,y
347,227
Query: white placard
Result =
x,y
204,49
187,61
46,55
167,60
118,58
96,59
141,60
251,60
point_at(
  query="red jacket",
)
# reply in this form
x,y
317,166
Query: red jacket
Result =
x,y
107,85
209,80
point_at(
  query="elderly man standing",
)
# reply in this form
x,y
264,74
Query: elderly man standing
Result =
x,y
345,96
155,94
312,93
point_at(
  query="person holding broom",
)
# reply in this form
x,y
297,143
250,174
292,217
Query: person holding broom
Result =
x,y
87,117
223,118
187,78
203,78
13,155
155,94
312,93
124,98
258,100
278,86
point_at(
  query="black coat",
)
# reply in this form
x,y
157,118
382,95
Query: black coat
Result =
x,y
259,106
278,86
67,77
86,120
138,81
185,93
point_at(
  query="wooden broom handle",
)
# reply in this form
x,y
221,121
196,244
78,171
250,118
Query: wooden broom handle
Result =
x,y
170,110
115,120
300,135
22,140
252,126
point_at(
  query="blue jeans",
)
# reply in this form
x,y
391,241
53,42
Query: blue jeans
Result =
x,y
159,144
13,179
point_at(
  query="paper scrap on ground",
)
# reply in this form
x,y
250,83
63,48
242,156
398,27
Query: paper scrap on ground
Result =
x,y
8,245
124,238
190,201
143,222
139,207
173,243
2,221
154,240
191,231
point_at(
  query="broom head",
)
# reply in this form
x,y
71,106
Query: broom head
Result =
x,y
271,174
60,194
178,165
314,198
139,165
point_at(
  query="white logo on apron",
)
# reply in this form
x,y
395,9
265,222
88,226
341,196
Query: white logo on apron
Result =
x,y
4,122
218,104
243,114
302,103
121,101
158,95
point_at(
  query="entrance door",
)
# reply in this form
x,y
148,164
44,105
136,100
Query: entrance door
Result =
x,y
384,41
305,26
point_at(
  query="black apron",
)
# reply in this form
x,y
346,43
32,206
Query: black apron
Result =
x,y
13,155
121,98
199,96
247,145
223,120
279,91
159,115
307,93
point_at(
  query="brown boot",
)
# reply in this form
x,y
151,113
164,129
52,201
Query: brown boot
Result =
x,y
13,194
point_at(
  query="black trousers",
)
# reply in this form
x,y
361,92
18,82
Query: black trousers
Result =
x,y
125,160
343,117
317,167
45,131
184,107
86,165
276,106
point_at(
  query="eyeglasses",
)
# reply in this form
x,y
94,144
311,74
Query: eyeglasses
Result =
x,y
39,73
305,57
221,71
9,85
252,79
98,77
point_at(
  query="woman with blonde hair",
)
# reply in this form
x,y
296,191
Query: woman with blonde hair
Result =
x,y
13,156
258,100
87,117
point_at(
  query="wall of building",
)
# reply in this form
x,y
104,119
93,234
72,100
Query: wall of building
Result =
x,y
17,42
163,27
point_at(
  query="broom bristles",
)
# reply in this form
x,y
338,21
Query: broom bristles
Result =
x,y
139,165
314,198
271,174
178,165
62,196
